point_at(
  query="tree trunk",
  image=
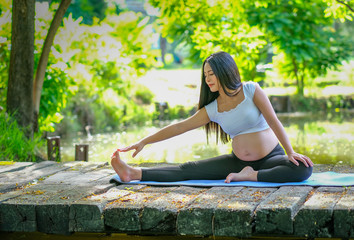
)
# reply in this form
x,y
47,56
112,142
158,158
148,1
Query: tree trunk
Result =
x,y
43,60
163,43
299,79
20,83
301,86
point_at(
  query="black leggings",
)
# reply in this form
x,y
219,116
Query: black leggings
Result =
x,y
275,167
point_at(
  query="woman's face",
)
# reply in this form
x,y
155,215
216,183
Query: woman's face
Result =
x,y
210,78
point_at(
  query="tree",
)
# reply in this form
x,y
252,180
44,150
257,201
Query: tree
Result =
x,y
340,9
300,32
20,83
43,61
302,36
210,26
23,94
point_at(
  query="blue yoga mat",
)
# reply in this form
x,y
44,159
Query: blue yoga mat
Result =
x,y
316,179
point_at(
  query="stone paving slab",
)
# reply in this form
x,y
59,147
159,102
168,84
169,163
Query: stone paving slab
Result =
x,y
315,217
234,216
343,168
160,215
123,214
86,214
30,174
343,215
89,178
197,217
276,213
47,203
64,198
19,214
322,168
12,167
53,214
26,170
76,178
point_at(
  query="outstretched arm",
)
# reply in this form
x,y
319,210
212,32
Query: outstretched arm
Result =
x,y
262,102
200,118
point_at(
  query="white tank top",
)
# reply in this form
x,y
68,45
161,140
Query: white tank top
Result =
x,y
244,118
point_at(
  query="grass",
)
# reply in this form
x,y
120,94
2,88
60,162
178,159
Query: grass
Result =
x,y
14,146
181,86
336,82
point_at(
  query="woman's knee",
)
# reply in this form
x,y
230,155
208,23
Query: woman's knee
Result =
x,y
304,172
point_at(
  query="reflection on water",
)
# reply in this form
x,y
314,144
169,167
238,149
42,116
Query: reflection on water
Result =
x,y
325,139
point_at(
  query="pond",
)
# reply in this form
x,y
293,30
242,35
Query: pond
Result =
x,y
325,138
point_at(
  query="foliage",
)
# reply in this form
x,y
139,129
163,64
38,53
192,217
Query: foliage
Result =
x,y
323,104
14,146
210,26
301,34
57,83
179,111
95,58
109,54
104,59
303,38
88,10
55,91
143,95
340,9
204,151
5,41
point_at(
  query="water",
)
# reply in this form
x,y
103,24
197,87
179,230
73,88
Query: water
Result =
x,y
326,139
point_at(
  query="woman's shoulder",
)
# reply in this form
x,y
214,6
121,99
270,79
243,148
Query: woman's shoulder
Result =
x,y
211,109
250,84
249,87
211,104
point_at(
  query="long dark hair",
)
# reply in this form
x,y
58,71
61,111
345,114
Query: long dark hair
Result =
x,y
226,71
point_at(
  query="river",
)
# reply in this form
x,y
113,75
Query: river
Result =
x,y
325,138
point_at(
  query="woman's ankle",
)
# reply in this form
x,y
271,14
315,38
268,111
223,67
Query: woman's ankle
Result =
x,y
136,173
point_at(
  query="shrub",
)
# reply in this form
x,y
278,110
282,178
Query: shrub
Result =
x,y
14,146
143,94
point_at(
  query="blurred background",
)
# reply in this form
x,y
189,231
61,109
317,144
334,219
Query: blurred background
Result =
x,y
121,69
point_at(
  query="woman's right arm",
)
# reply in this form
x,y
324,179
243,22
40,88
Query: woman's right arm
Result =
x,y
200,118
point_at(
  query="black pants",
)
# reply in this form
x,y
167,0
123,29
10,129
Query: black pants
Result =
x,y
275,167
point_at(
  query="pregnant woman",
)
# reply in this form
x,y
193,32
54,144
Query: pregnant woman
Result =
x,y
236,111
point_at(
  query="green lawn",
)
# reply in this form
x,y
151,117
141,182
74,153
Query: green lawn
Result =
x,y
182,86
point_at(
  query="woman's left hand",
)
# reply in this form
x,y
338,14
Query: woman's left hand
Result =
x,y
295,157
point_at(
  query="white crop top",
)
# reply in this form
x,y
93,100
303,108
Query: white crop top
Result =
x,y
244,118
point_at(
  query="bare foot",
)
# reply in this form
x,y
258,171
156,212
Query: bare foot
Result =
x,y
246,174
125,172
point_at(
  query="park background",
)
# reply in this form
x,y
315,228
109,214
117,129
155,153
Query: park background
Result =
x,y
118,70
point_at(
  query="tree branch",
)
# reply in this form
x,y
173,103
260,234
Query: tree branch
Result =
x,y
346,4
43,61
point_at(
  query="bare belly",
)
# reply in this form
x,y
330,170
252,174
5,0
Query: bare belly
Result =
x,y
254,146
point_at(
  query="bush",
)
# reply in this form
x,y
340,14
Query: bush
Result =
x,y
179,112
143,94
312,104
14,146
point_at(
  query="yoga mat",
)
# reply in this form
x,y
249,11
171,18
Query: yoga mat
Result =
x,y
316,179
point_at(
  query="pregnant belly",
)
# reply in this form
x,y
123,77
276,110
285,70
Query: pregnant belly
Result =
x,y
254,146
